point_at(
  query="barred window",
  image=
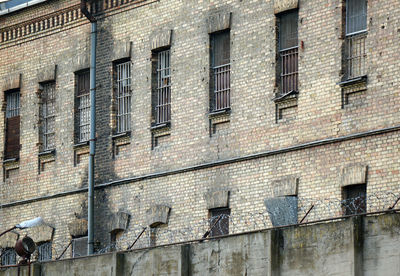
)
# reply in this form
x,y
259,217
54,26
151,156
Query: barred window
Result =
x,y
355,199
220,71
123,96
163,97
356,27
79,246
44,251
12,144
219,221
83,106
288,51
48,113
8,256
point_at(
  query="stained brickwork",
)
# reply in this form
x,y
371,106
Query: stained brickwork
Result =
x,y
194,138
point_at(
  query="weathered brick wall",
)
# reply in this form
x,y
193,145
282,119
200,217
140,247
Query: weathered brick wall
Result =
x,y
252,127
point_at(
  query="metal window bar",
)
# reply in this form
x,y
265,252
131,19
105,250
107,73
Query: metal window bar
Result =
x,y
124,97
289,69
13,104
163,108
8,257
48,116
44,252
356,56
83,106
222,86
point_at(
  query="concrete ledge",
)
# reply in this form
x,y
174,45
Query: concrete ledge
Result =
x,y
217,199
119,221
285,5
47,73
285,187
218,22
78,228
160,39
11,81
41,233
354,174
157,214
121,50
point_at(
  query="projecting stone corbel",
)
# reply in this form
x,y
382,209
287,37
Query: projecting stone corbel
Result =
x,y
217,198
78,228
119,221
354,174
8,240
285,5
219,22
157,214
47,73
12,81
160,39
41,233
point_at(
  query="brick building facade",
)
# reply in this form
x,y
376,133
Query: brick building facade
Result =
x,y
203,108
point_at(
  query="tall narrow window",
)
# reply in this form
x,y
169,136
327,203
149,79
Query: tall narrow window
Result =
x,y
44,251
355,199
123,96
83,106
288,51
161,98
48,113
220,79
356,28
8,256
219,221
12,145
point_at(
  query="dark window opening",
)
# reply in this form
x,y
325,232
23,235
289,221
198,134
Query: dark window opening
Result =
x,y
161,87
288,51
220,83
356,27
44,251
123,96
12,143
47,116
8,256
354,199
82,103
219,221
79,246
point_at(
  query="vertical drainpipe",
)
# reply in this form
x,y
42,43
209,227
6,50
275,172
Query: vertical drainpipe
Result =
x,y
92,140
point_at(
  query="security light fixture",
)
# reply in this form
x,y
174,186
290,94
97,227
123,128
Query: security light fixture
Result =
x,y
25,224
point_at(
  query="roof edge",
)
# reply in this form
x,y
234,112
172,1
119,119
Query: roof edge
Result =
x,y
21,6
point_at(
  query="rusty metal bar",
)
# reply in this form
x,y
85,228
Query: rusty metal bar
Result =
x,y
212,227
309,210
138,237
69,244
395,203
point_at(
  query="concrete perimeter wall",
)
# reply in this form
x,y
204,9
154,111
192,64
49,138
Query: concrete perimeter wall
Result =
x,y
354,246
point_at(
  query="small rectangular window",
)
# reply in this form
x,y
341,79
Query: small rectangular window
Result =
x,y
48,114
44,251
12,145
220,83
83,106
8,256
288,51
123,96
354,199
79,247
356,27
219,221
161,97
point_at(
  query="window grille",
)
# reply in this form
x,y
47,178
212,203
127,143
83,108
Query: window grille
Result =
x,y
222,226
12,125
288,51
8,257
123,97
220,79
355,199
163,107
48,116
83,98
356,27
44,251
